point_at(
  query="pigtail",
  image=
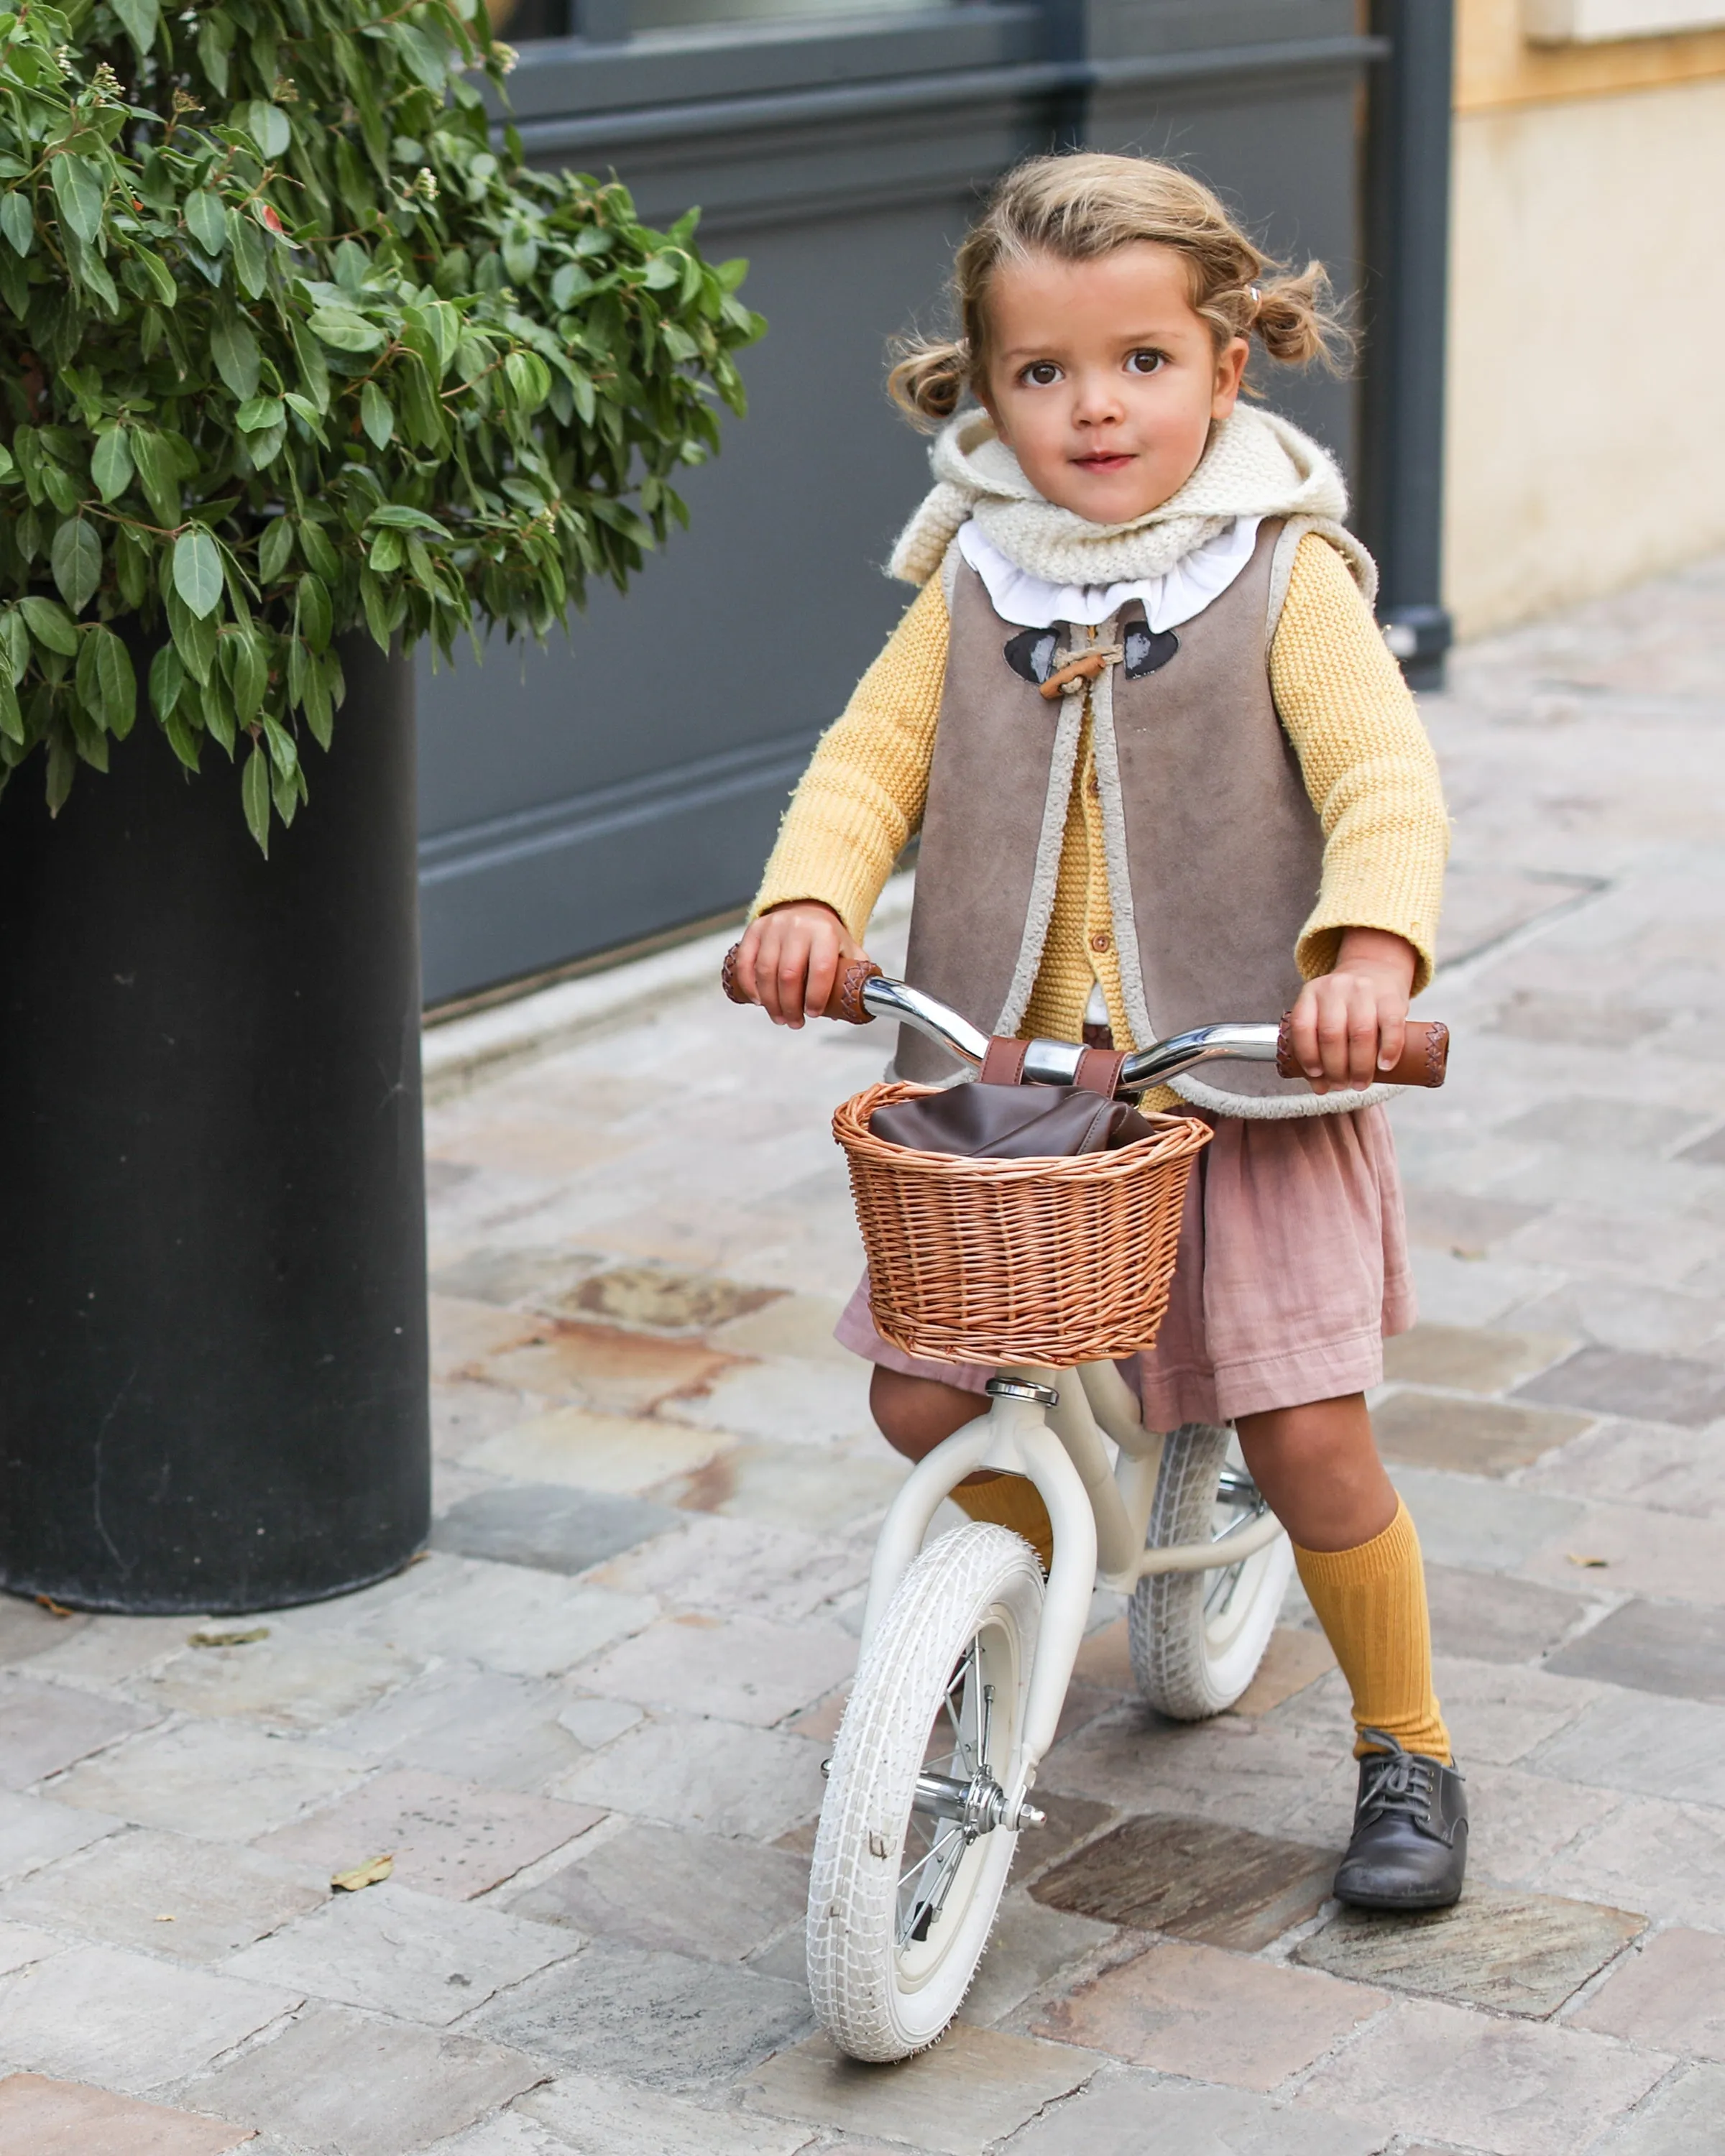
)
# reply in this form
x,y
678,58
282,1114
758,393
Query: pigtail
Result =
x,y
929,378
1296,320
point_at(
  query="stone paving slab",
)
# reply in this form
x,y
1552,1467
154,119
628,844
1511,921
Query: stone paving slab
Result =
x,y
417,1956
722,1567
596,2117
165,1894
332,2079
1626,1741
1656,1387
1492,1618
126,2021
1638,1552
213,1778
548,1526
1470,1358
1194,1878
1652,1853
744,1670
20,1947
581,1450
34,1832
1514,1953
1030,1946
663,2019
44,1728
281,1682
526,1624
473,1725
654,1887
1208,2016
1510,2088
1645,1463
718,1777
1126,2112
972,2089
1468,1437
27,1629
447,1837
1670,1995
42,2117
1653,1646
1681,2119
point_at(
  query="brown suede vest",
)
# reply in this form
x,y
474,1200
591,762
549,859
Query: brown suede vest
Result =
x,y
1215,851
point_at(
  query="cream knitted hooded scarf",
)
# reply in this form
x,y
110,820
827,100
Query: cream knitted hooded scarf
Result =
x,y
1256,464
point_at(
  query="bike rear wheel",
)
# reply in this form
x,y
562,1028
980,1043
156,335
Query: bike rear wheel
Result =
x,y
913,1849
1197,1637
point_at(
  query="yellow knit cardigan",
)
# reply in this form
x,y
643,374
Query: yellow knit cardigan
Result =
x,y
1367,763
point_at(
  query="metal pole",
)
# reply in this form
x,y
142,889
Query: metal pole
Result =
x,y
1406,290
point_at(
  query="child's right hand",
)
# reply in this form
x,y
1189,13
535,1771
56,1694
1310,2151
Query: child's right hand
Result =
x,y
790,959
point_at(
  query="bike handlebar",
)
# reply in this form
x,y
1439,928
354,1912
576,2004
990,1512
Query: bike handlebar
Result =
x,y
863,992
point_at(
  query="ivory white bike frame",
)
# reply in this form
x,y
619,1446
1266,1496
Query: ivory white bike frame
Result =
x,y
1054,1428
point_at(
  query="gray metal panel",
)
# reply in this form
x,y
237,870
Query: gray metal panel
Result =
x,y
631,777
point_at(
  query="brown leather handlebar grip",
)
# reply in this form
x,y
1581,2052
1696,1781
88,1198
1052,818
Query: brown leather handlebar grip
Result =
x,y
846,1002
1426,1055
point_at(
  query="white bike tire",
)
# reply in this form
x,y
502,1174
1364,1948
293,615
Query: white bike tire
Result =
x,y
1192,1658
880,2000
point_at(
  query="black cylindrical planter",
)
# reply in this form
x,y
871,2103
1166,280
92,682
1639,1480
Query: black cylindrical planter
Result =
x,y
213,1361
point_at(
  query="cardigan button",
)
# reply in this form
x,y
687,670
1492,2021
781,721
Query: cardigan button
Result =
x,y
1101,940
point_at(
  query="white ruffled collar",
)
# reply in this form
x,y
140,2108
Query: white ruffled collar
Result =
x,y
1176,596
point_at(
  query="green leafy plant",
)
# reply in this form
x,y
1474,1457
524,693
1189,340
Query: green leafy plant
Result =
x,y
291,345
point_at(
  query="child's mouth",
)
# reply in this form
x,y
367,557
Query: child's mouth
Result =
x,y
1104,460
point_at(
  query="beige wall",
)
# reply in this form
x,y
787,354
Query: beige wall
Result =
x,y
1585,447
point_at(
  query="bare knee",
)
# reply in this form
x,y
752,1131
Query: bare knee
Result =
x,y
915,1415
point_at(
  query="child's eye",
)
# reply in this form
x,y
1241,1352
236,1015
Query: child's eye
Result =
x,y
1041,372
1147,362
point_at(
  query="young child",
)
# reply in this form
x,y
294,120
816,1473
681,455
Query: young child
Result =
x,y
1246,817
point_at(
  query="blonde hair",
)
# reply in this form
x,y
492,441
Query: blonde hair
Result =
x,y
1078,206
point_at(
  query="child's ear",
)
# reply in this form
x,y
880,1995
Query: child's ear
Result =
x,y
1230,372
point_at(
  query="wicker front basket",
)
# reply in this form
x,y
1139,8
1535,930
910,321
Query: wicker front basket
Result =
x,y
1057,1261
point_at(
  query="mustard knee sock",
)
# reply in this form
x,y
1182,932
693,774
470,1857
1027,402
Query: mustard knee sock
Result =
x,y
1010,1500
1371,1602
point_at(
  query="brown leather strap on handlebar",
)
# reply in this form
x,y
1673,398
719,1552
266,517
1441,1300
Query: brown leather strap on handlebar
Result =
x,y
1426,1055
846,1002
1003,1062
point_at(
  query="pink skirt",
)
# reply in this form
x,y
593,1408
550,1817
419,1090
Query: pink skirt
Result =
x,y
1292,1272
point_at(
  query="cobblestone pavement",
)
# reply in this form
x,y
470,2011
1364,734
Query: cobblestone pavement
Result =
x,y
588,1726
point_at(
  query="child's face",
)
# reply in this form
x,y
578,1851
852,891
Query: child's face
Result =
x,y
1104,380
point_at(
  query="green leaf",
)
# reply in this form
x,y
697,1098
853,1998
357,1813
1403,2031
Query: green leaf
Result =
x,y
168,678
139,19
158,271
182,736
257,414
233,346
377,415
250,263
110,464
194,640
282,752
106,681
273,549
320,554
314,369
12,718
18,219
134,560
255,795
198,571
75,558
218,720
14,646
267,126
248,674
206,220
158,473
404,519
50,624
80,188
345,330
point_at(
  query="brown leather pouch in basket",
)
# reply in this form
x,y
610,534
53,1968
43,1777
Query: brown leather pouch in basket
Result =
x,y
1001,1118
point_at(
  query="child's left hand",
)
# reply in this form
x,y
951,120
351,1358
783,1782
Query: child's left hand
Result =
x,y
1349,1024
